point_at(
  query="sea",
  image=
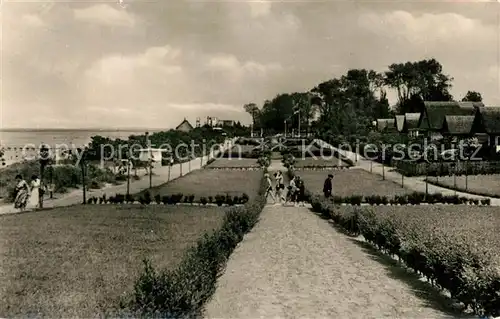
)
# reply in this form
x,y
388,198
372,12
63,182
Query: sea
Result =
x,y
20,144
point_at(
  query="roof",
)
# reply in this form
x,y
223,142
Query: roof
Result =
x,y
383,124
456,124
400,122
436,111
412,120
185,122
491,119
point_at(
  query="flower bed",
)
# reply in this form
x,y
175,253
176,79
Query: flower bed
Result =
x,y
456,249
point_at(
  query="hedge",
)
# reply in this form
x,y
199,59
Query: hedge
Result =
x,y
411,168
182,292
455,267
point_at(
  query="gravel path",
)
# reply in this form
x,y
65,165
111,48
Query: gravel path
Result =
x,y
296,265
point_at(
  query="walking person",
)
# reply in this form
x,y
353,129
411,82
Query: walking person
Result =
x,y
292,191
22,192
301,192
36,192
280,186
269,190
327,186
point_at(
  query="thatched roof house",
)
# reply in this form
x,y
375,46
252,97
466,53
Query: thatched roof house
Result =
x,y
458,125
400,123
487,121
386,125
434,113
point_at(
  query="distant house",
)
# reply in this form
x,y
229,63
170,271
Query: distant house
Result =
x,y
226,123
185,126
408,123
486,125
386,125
458,126
434,113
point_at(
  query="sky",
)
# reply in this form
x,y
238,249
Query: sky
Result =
x,y
150,64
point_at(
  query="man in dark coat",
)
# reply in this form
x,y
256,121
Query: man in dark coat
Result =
x,y
327,186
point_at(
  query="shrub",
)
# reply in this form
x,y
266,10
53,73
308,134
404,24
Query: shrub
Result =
x,y
203,201
120,198
146,198
165,199
191,199
158,199
220,199
129,198
244,198
210,199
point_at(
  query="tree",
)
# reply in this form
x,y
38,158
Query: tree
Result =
x,y
253,110
472,96
421,80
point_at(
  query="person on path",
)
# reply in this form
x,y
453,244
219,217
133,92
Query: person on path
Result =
x,y
327,186
301,192
280,186
22,192
35,192
269,190
292,191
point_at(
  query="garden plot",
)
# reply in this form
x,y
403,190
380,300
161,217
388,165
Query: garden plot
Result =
x,y
210,183
234,163
486,185
351,182
77,261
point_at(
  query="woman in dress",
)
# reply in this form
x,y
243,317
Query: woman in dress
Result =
x,y
35,192
269,190
301,192
280,186
22,193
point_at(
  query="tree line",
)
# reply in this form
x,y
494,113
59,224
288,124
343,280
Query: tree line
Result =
x,y
349,104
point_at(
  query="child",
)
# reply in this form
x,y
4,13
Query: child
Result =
x,y
269,190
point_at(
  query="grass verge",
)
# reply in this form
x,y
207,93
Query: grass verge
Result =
x,y
181,292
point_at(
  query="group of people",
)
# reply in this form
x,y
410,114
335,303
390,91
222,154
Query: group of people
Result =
x,y
27,195
294,193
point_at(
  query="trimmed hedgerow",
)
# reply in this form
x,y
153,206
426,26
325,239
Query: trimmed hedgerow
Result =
x,y
182,292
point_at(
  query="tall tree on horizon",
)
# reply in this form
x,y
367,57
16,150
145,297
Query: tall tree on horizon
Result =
x,y
472,96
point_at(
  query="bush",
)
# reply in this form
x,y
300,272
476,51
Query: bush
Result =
x,y
158,199
165,199
203,201
210,199
220,199
182,292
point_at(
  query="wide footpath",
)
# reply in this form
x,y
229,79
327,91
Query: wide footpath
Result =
x,y
294,264
160,176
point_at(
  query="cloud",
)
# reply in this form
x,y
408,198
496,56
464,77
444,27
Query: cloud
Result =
x,y
260,8
152,64
31,20
103,14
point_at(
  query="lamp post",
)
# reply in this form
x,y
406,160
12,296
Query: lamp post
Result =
x,y
150,160
128,177
83,158
44,161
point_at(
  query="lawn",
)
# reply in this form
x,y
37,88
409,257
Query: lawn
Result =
x,y
486,185
233,163
78,261
318,162
351,182
210,182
